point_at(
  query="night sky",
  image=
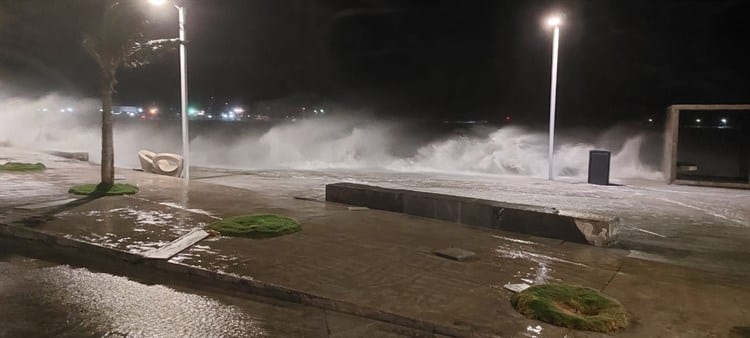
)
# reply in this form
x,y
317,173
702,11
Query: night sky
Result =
x,y
619,60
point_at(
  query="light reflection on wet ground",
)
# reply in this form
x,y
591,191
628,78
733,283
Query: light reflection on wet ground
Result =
x,y
41,299
44,299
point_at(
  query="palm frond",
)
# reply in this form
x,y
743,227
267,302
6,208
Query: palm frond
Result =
x,y
120,38
143,53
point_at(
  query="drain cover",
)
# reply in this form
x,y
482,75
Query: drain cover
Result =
x,y
456,254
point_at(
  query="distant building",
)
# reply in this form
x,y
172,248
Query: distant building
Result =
x,y
129,111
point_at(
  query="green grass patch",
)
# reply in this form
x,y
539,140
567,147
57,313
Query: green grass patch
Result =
x,y
571,306
20,166
103,190
256,226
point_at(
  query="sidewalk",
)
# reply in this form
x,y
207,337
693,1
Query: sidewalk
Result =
x,y
380,260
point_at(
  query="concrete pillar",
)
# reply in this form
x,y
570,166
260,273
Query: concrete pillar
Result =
x,y
671,132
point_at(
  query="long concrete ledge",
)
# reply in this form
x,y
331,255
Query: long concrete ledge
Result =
x,y
81,156
34,241
527,219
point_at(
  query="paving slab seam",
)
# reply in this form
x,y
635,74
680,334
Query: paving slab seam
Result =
x,y
328,328
255,287
614,274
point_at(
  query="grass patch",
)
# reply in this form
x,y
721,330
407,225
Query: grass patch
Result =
x,y
256,226
103,190
571,306
20,166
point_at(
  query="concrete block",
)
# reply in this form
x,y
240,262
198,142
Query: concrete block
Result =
x,y
419,205
448,209
477,214
598,230
527,219
456,254
540,224
365,196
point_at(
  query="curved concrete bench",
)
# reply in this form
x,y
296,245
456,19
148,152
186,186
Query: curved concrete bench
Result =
x,y
160,163
147,160
168,164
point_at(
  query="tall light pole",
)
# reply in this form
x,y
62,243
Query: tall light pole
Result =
x,y
553,21
183,87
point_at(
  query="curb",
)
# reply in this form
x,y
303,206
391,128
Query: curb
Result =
x,y
101,254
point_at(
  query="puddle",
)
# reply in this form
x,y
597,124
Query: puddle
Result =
x,y
75,302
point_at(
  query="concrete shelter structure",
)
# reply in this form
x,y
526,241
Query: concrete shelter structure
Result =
x,y
677,171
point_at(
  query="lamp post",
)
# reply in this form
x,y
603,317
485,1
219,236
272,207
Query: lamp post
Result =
x,y
553,21
183,88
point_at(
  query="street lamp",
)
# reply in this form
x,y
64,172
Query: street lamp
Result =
x,y
183,86
553,21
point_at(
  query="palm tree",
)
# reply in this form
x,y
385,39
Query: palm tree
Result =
x,y
118,40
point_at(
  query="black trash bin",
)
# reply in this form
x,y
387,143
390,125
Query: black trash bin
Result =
x,y
599,167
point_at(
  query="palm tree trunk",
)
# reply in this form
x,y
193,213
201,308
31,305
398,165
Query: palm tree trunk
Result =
x,y
108,152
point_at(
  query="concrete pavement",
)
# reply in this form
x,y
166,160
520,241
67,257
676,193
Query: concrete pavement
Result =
x,y
380,260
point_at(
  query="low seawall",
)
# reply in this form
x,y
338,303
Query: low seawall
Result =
x,y
527,219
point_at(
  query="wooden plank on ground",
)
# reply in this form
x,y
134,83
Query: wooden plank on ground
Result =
x,y
176,246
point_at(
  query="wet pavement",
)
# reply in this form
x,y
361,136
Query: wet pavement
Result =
x,y
706,228
45,299
383,260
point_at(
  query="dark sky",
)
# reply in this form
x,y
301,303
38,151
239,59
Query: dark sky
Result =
x,y
619,60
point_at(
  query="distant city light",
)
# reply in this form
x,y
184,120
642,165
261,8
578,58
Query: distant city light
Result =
x,y
507,118
69,109
323,111
697,120
157,2
44,109
62,110
650,120
140,110
238,110
723,121
153,111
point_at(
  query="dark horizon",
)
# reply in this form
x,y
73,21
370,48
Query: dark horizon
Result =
x,y
619,61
